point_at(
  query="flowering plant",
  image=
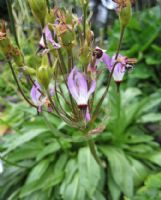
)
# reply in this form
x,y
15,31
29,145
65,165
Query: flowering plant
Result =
x,y
66,82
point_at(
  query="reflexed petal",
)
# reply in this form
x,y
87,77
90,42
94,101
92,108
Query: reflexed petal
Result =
x,y
119,70
52,90
71,84
81,84
118,73
49,38
92,88
78,88
35,94
88,116
39,109
106,60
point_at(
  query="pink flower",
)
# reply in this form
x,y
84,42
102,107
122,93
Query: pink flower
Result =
x,y
78,87
38,98
49,38
121,67
99,55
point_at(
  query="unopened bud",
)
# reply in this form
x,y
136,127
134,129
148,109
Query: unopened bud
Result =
x,y
125,13
67,38
28,70
44,76
39,10
85,55
65,34
5,44
84,2
50,17
17,56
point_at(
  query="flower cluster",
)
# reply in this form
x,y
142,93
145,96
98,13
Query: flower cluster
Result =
x,y
66,82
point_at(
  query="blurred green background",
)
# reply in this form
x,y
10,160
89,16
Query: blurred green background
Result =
x,y
40,166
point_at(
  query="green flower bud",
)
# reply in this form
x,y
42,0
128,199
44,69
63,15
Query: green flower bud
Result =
x,y
50,17
17,56
28,70
69,18
5,44
83,2
85,55
67,38
44,76
39,10
125,14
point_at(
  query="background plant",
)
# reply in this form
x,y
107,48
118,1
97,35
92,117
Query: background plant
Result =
x,y
46,171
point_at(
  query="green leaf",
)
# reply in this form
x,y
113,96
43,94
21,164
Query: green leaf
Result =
x,y
89,171
74,191
154,181
140,171
120,169
98,196
71,187
43,177
114,189
38,171
25,137
49,149
154,157
150,117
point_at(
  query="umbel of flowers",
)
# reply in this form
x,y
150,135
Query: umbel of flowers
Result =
x,y
66,82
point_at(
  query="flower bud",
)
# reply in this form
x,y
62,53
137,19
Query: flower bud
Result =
x,y
65,34
85,55
39,10
67,38
17,56
50,17
84,2
44,73
28,70
125,13
44,76
5,44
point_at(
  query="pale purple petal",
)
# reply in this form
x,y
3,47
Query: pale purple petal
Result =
x,y
78,87
92,88
81,84
106,60
118,73
71,84
119,70
88,116
49,38
52,90
35,94
50,109
39,109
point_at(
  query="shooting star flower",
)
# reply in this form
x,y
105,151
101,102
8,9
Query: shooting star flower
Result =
x,y
78,87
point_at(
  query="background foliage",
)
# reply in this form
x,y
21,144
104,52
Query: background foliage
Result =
x,y
41,162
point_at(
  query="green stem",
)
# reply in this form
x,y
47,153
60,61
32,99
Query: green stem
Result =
x,y
12,22
84,20
94,153
51,129
120,42
48,5
46,46
19,87
12,163
96,111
